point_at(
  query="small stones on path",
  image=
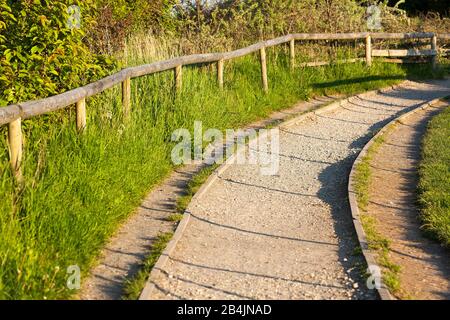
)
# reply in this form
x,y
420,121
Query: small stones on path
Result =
x,y
300,243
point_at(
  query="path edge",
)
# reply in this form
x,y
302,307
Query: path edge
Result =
x,y
382,290
147,292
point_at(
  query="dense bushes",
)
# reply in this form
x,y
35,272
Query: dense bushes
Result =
x,y
209,26
40,54
116,19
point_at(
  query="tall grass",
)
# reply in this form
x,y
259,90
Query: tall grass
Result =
x,y
79,188
434,182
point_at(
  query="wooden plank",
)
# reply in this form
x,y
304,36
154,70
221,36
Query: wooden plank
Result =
x,y
361,35
434,47
329,36
412,35
369,50
326,63
265,82
42,106
9,113
81,115
126,97
403,53
445,36
256,47
178,72
220,67
15,148
400,61
292,54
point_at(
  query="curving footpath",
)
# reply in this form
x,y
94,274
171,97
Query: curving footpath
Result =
x,y
288,236
424,263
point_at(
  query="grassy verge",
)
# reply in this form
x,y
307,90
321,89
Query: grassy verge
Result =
x,y
363,174
135,285
79,188
193,186
376,241
434,184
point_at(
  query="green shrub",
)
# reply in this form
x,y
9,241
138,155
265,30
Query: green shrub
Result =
x,y
40,55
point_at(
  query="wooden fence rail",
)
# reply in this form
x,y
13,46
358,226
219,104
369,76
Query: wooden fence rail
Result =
x,y
14,114
403,53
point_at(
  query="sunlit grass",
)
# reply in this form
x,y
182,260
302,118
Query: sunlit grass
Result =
x,y
434,182
134,286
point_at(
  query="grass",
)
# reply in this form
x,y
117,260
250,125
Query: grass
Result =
x,y
79,188
363,174
193,186
176,217
133,287
381,245
434,184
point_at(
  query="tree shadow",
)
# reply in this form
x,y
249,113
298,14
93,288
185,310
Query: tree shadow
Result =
x,y
344,82
406,210
334,191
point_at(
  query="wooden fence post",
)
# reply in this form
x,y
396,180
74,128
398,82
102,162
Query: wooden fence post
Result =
x,y
81,114
178,78
368,50
292,54
126,97
220,65
264,69
15,148
434,46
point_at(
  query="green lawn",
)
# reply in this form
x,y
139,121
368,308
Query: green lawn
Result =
x,y
79,188
434,185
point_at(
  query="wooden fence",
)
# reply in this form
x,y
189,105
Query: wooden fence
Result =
x,y
14,114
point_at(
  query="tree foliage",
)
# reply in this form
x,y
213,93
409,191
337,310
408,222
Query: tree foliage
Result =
x,y
116,19
40,54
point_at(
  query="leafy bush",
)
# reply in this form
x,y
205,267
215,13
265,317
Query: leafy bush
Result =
x,y
40,55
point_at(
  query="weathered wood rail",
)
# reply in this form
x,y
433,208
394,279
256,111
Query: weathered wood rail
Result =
x,y
14,114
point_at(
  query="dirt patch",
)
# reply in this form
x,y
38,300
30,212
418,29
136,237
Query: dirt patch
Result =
x,y
425,264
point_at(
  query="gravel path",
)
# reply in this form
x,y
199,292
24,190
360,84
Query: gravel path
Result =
x,y
125,252
288,236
